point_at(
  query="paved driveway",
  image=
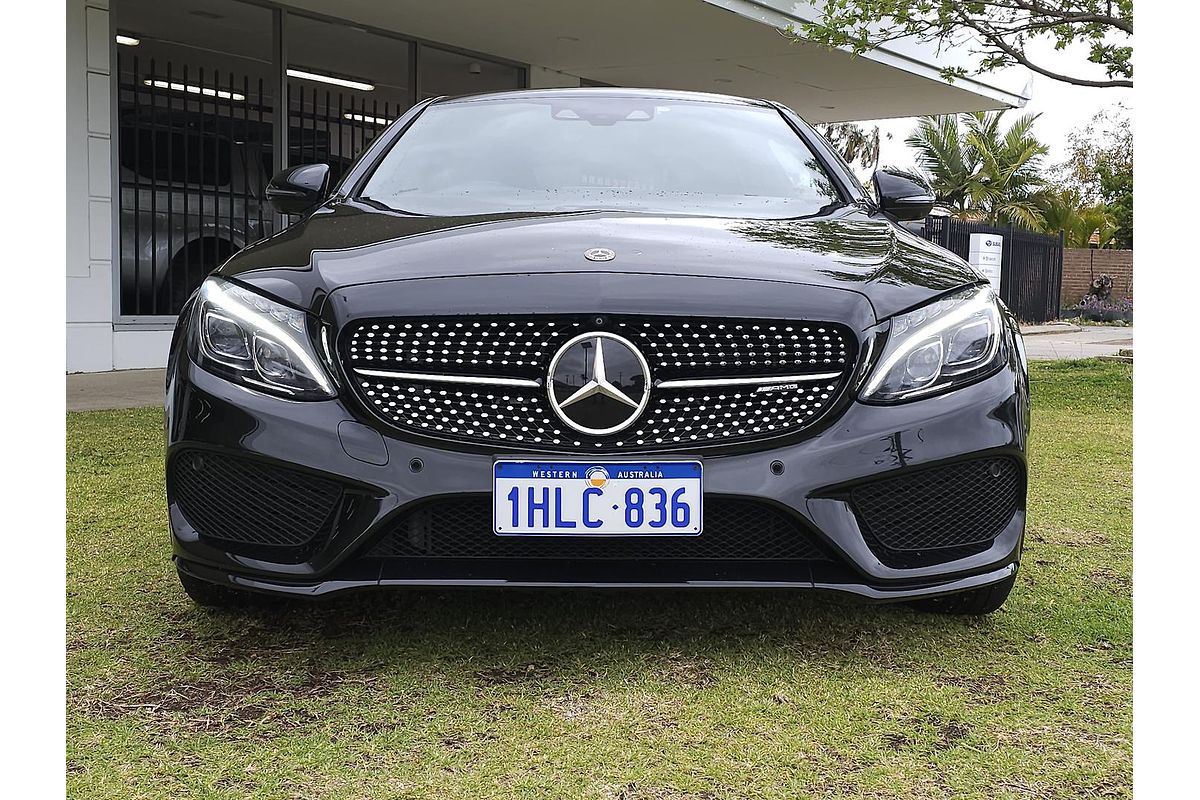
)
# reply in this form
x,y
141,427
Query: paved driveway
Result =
x,y
127,388
1087,342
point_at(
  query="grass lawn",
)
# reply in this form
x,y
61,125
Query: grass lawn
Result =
x,y
608,695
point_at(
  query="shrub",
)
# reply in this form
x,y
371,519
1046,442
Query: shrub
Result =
x,y
1100,309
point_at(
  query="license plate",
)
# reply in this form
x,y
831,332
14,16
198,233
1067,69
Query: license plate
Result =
x,y
589,498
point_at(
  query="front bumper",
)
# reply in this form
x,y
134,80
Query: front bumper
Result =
x,y
334,440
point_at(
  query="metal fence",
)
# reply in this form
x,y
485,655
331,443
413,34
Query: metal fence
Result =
x,y
333,127
1030,264
196,149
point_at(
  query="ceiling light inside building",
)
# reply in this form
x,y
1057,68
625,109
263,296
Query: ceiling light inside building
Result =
x,y
304,74
367,118
128,41
190,89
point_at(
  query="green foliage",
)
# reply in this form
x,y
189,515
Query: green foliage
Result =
x,y
999,31
946,159
1100,168
1064,211
980,171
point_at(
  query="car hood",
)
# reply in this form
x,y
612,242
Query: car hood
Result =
x,y
348,244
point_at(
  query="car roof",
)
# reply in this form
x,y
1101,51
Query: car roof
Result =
x,y
604,91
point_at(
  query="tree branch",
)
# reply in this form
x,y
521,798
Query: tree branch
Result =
x,y
1037,9
993,39
1002,28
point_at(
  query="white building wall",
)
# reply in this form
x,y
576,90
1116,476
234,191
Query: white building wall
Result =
x,y
89,188
140,349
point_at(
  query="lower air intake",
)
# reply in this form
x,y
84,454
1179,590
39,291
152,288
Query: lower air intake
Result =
x,y
941,513
252,507
734,530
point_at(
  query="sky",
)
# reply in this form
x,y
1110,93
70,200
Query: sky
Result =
x,y
1063,107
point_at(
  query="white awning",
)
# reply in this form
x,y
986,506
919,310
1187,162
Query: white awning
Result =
x,y
725,46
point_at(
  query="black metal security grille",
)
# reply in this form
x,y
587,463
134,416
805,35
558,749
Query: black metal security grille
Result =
x,y
333,127
939,513
461,528
1031,263
195,150
522,347
240,501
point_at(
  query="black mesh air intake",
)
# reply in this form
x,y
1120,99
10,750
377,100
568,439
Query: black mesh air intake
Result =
x,y
939,514
734,530
251,507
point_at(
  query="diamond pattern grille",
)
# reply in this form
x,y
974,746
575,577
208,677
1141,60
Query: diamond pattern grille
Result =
x,y
523,416
733,530
519,347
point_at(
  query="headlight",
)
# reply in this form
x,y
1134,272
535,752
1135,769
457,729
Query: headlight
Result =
x,y
252,340
947,343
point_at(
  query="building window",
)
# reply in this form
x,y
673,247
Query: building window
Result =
x,y
195,117
345,85
197,127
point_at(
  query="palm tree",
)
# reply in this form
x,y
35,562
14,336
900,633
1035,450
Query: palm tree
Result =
x,y
1063,212
948,162
979,171
1010,170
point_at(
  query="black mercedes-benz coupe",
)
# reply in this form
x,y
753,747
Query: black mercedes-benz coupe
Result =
x,y
598,337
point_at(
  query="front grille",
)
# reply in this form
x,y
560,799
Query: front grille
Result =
x,y
734,530
941,513
252,507
676,348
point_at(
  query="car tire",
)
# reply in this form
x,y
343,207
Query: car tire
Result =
x,y
210,595
975,602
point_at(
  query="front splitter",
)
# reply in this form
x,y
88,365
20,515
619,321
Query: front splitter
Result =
x,y
320,589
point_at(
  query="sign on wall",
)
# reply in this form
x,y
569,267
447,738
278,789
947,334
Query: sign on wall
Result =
x,y
985,254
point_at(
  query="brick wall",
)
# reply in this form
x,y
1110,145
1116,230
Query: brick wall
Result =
x,y
1081,265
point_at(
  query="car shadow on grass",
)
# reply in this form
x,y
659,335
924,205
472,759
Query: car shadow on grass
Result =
x,y
377,661
512,635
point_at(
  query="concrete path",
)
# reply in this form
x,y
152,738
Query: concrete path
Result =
x,y
130,388
136,388
1086,341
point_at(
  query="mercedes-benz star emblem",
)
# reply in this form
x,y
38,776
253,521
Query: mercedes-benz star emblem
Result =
x,y
599,254
599,383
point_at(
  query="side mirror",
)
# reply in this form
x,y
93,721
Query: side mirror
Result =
x,y
905,196
296,190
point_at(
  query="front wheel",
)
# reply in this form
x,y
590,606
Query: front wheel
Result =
x,y
975,602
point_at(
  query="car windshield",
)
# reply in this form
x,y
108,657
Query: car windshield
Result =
x,y
563,153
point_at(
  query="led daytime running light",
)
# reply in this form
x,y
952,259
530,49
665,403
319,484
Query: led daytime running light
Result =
x,y
918,333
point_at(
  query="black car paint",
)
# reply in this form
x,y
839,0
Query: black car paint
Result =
x,y
351,243
352,259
